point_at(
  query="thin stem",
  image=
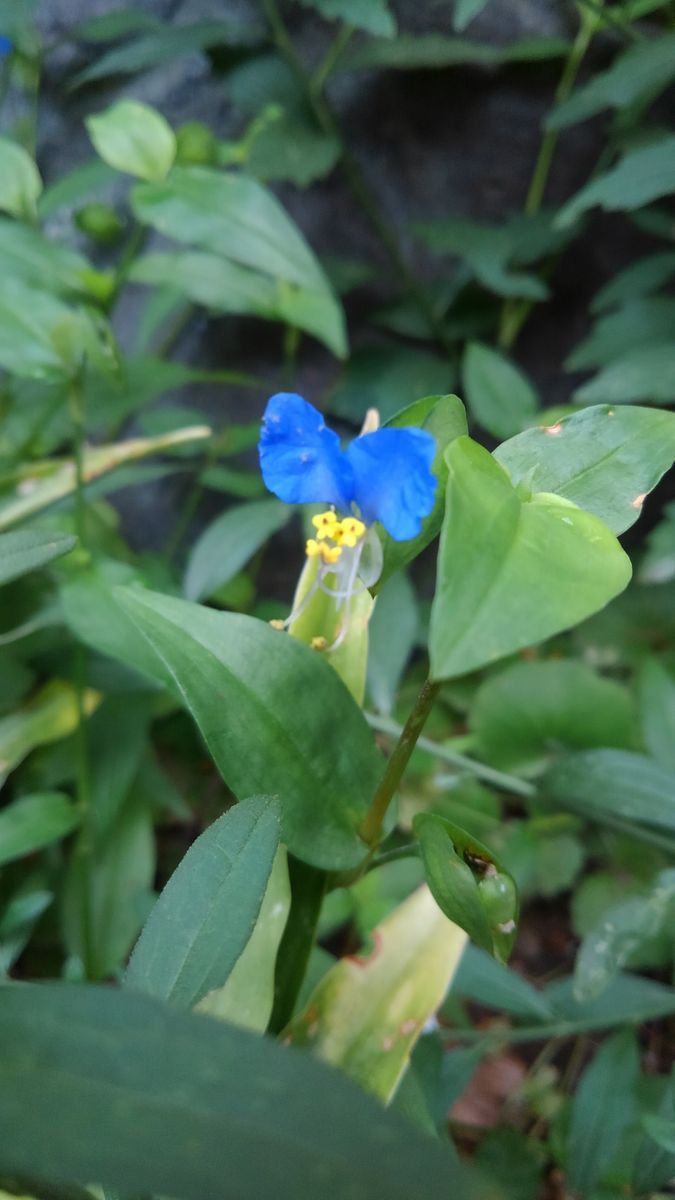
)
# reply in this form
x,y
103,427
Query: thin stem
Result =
x,y
85,847
388,856
515,312
134,245
372,825
335,51
509,783
308,887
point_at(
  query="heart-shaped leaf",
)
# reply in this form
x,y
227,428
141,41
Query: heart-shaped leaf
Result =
x,y
512,571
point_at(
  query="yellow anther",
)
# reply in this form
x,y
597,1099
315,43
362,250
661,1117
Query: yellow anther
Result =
x,y
328,554
319,643
348,532
277,624
324,523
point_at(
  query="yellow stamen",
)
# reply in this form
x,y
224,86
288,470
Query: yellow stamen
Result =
x,y
319,643
348,532
328,554
324,523
277,624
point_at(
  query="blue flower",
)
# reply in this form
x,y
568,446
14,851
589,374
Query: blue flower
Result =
x,y
5,46
386,474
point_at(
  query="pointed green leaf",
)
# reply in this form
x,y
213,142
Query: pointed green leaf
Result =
x,y
512,571
33,822
604,459
499,396
275,716
227,544
135,138
167,1103
27,549
20,182
247,996
206,913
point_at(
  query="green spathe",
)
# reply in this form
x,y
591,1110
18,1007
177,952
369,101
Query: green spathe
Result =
x,y
512,571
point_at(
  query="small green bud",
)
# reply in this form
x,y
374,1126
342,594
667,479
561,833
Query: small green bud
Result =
x,y
499,899
100,222
196,145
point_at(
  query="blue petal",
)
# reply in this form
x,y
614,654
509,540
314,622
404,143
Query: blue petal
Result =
x,y
5,46
393,481
300,457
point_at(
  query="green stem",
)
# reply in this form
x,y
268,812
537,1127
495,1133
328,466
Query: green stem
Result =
x,y
388,856
509,783
372,825
335,51
308,887
515,312
353,173
85,847
134,245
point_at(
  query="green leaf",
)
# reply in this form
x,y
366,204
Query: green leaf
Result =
x,y
624,927
656,694
135,138
51,714
117,23
206,913
33,822
163,45
638,323
292,728
465,12
629,999
641,176
468,883
500,397
658,563
26,254
396,608
389,380
663,1133
289,145
615,783
490,983
27,549
247,996
602,1110
445,419
366,1013
605,460
646,373
55,479
227,544
106,898
433,51
641,278
204,1111
638,74
228,287
21,912
375,16
234,216
20,182
487,250
532,710
39,334
653,1169
512,571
